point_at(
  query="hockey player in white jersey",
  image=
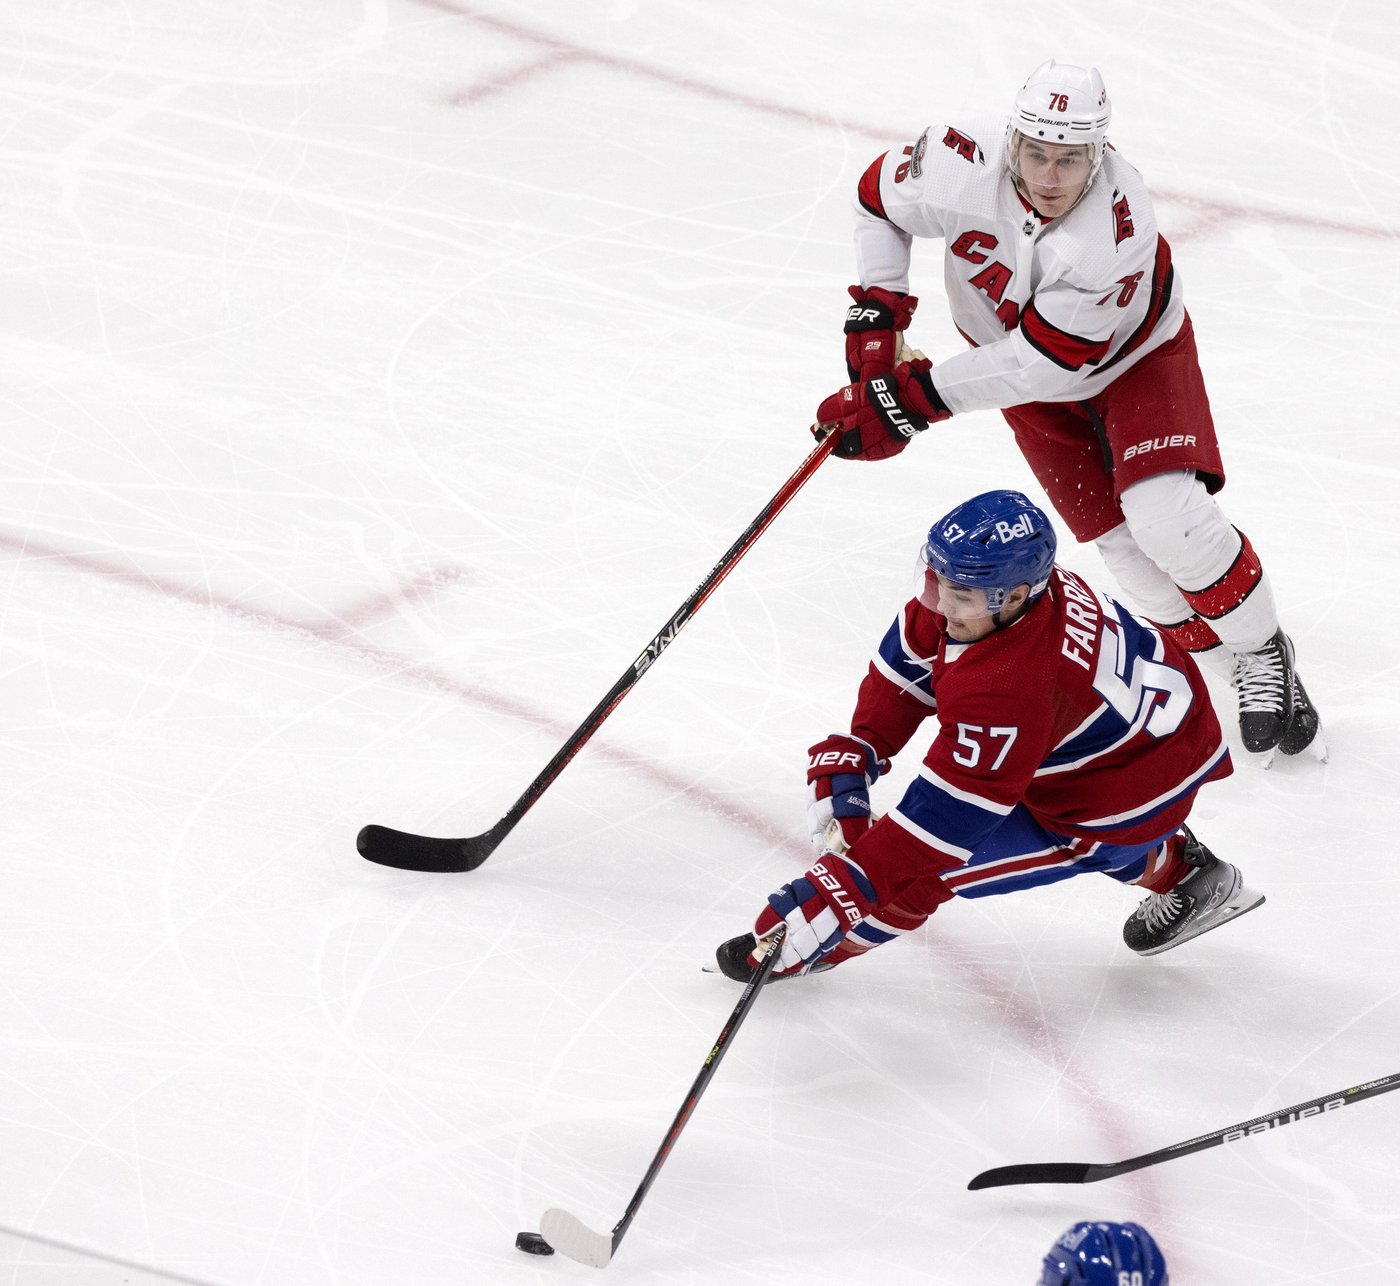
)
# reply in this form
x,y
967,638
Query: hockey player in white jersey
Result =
x,y
1059,280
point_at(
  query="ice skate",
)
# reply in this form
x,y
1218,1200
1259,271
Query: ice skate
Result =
x,y
1302,729
1211,895
732,958
1264,683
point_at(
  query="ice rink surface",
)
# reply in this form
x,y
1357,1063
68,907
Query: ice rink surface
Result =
x,y
378,378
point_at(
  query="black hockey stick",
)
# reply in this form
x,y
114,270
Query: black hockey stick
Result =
x,y
411,852
1083,1172
571,1236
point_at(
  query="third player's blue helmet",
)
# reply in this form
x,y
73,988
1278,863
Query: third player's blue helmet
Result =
x,y
1104,1254
994,541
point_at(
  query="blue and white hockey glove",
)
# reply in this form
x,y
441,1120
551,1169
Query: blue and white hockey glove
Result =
x,y
840,771
819,908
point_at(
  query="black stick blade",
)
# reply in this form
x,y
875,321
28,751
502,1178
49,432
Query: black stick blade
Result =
x,y
409,852
1048,1172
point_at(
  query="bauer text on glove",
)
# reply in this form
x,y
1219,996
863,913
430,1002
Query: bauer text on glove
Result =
x,y
840,771
874,323
819,908
877,419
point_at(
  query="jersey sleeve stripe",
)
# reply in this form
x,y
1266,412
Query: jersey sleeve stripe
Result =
x,y
1106,735
965,881
1072,352
900,664
875,932
928,837
868,190
964,796
945,816
914,685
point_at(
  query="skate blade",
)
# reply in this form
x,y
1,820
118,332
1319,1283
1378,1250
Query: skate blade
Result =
x,y
1241,904
1316,749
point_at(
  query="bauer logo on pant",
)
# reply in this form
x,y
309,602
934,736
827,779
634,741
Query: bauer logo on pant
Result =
x,y
1159,444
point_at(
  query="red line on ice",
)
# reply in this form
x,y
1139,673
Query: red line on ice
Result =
x,y
1218,211
1020,1017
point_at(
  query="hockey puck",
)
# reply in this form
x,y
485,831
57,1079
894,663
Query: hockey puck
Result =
x,y
532,1244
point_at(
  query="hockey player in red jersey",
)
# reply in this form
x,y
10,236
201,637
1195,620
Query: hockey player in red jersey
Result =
x,y
1059,280
1071,736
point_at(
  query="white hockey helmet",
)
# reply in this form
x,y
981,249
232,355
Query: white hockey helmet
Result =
x,y
1062,104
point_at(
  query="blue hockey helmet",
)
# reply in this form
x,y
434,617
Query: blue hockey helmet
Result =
x,y
1104,1254
994,541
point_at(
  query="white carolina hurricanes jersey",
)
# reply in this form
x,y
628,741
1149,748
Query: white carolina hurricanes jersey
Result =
x,y
1055,309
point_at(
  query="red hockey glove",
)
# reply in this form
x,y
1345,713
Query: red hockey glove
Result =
x,y
872,324
840,772
819,907
877,419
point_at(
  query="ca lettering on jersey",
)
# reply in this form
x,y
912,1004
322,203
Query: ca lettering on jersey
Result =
x,y
992,278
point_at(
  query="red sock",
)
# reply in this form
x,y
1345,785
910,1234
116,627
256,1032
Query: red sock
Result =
x,y
1167,868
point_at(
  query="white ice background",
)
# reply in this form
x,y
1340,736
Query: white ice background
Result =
x,y
377,378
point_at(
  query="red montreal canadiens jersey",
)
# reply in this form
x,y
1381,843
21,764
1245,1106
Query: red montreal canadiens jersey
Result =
x,y
1056,309
1080,710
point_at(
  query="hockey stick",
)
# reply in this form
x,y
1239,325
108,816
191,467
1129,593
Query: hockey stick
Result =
x,y
1081,1172
571,1236
411,852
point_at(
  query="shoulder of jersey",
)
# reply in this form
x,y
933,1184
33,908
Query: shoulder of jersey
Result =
x,y
959,154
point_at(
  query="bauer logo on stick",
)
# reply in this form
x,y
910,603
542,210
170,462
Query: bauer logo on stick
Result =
x,y
1284,1118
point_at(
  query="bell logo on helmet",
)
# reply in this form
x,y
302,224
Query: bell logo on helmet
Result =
x,y
1018,530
